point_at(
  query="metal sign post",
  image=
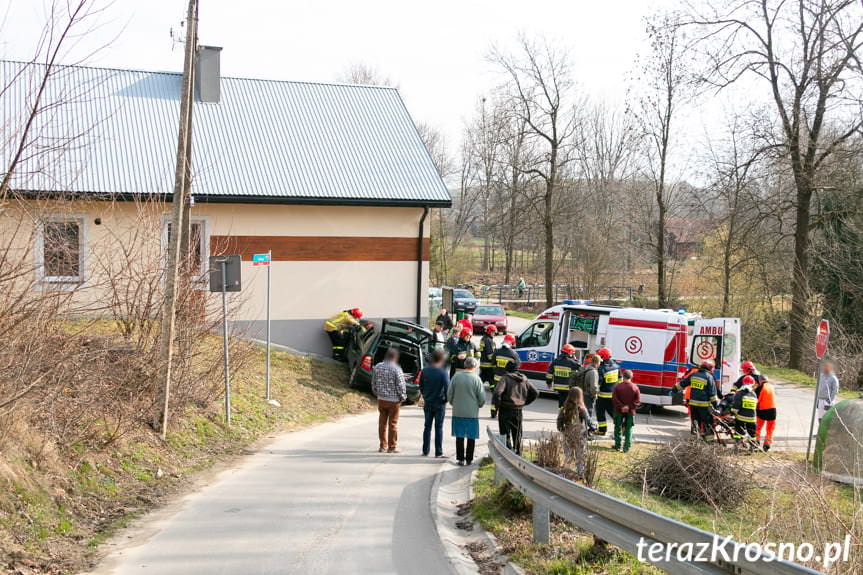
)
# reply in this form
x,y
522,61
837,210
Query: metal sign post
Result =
x,y
822,338
265,260
225,277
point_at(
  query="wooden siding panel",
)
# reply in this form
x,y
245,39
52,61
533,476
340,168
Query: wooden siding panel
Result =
x,y
321,248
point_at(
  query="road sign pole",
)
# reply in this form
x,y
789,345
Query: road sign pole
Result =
x,y
269,286
225,341
822,338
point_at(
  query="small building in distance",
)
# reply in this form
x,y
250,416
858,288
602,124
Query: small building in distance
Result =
x,y
333,179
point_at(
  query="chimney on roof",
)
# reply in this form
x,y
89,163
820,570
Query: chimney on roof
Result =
x,y
207,74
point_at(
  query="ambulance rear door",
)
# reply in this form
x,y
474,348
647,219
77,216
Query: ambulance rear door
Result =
x,y
718,339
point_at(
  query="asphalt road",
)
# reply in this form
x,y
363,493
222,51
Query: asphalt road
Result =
x,y
322,500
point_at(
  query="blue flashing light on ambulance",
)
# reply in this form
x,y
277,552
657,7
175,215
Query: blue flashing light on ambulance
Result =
x,y
659,346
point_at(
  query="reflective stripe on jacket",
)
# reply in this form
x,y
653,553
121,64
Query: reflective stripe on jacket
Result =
x,y
503,356
560,372
609,375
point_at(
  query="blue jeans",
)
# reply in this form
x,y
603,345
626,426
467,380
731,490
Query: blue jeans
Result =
x,y
433,413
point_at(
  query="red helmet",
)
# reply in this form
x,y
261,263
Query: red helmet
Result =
x,y
509,339
749,380
356,312
490,330
568,349
708,364
466,332
604,353
747,367
588,358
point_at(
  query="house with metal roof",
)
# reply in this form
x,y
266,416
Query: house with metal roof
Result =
x,y
333,179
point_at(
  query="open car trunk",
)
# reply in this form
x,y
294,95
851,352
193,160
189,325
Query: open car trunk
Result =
x,y
408,355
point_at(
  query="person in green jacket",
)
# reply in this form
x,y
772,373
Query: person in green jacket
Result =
x,y
466,395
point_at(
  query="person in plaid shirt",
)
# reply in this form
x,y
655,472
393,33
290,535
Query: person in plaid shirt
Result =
x,y
388,385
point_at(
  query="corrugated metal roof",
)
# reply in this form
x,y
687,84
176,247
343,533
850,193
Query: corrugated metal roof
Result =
x,y
115,132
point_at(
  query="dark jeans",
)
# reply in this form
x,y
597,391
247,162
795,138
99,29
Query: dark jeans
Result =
x,y
460,454
339,340
604,409
509,425
433,414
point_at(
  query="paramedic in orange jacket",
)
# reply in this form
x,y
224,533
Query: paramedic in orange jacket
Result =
x,y
766,413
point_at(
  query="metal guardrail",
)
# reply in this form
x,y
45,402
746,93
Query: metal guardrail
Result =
x,y
616,521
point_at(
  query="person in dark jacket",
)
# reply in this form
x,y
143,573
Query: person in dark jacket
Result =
x,y
460,350
434,383
486,355
626,398
503,356
702,396
560,372
744,406
445,318
609,375
510,396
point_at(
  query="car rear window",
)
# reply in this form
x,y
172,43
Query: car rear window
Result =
x,y
489,310
463,293
405,331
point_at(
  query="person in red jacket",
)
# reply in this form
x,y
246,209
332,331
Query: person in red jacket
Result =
x,y
626,398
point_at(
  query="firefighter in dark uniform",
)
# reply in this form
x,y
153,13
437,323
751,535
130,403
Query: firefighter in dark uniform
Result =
x,y
748,369
744,406
486,356
502,358
460,350
560,372
339,328
609,375
702,396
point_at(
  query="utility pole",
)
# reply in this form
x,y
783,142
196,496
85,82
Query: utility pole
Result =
x,y
169,306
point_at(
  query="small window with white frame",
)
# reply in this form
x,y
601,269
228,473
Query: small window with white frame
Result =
x,y
198,247
60,249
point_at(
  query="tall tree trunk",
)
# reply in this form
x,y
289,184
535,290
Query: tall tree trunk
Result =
x,y
549,245
660,253
800,281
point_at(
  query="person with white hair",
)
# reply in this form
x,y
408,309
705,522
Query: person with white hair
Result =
x,y
466,395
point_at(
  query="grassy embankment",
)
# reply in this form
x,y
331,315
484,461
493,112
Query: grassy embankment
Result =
x,y
55,510
779,504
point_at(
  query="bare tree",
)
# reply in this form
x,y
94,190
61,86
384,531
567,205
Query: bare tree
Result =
x,y
806,55
664,89
730,198
364,73
541,91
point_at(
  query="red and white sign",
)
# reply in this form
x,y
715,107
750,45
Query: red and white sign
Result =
x,y
633,344
705,350
822,338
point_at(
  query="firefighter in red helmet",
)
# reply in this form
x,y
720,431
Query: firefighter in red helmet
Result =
x,y
505,361
748,369
339,327
486,356
560,372
703,396
609,375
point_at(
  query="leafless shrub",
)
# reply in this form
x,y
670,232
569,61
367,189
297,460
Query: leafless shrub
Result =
x,y
694,471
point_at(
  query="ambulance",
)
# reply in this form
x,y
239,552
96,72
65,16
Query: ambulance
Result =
x,y
659,346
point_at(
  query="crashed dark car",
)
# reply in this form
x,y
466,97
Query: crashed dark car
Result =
x,y
413,341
